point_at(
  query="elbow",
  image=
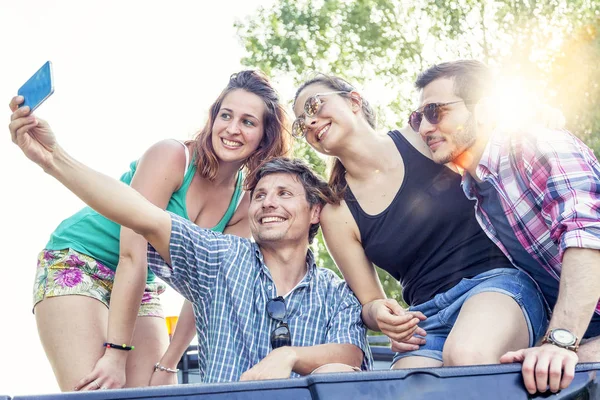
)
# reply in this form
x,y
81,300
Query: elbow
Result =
x,y
356,357
146,229
151,228
128,261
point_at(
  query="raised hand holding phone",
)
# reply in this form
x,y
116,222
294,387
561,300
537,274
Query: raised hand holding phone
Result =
x,y
38,88
31,134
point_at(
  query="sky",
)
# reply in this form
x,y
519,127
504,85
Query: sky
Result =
x,y
127,74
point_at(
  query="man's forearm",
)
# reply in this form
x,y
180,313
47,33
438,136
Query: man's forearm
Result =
x,y
113,199
579,290
309,358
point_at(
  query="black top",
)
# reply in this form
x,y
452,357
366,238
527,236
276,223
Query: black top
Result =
x,y
428,237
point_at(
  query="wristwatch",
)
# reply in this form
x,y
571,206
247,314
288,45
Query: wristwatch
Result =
x,y
561,338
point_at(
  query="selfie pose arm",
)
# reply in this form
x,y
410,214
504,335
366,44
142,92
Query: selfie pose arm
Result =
x,y
379,313
111,198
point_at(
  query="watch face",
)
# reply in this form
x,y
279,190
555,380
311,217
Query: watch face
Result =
x,y
563,337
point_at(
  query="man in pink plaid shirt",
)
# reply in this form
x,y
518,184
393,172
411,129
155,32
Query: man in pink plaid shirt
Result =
x,y
537,196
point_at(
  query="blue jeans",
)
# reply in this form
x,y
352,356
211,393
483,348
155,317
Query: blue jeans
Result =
x,y
442,311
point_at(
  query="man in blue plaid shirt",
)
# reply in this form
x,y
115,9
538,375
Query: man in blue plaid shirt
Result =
x,y
263,309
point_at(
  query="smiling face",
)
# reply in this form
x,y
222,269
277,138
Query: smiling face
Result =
x,y
334,118
455,131
239,127
279,211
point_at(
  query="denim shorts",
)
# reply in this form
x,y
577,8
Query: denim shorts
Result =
x,y
442,311
68,272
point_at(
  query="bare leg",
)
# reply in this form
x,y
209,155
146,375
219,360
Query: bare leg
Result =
x,y
416,362
590,351
489,324
72,330
151,340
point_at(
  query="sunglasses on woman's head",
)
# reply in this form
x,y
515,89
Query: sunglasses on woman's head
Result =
x,y
432,113
281,334
312,106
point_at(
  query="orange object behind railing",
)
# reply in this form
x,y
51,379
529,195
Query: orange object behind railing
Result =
x,y
171,324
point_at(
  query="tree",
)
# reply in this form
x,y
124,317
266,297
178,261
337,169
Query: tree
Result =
x,y
553,44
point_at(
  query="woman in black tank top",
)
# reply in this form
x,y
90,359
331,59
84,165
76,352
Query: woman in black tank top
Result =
x,y
398,210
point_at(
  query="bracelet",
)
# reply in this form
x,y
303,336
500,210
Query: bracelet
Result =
x,y
118,346
158,367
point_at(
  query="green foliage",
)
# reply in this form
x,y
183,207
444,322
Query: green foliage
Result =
x,y
553,44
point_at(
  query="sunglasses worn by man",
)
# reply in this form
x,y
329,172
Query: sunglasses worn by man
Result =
x,y
432,113
312,107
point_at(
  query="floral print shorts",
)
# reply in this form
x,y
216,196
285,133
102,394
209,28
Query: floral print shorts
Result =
x,y
68,272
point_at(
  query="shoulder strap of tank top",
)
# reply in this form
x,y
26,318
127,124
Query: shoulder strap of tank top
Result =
x,y
187,156
240,188
405,147
236,199
401,142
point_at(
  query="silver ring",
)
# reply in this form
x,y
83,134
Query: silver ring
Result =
x,y
96,383
103,388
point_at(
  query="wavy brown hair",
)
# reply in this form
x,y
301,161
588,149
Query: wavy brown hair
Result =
x,y
337,176
276,138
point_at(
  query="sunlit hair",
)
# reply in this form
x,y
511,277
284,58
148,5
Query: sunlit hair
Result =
x,y
317,190
337,177
472,79
276,139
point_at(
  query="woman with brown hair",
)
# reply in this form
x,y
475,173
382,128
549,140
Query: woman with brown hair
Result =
x,y
92,285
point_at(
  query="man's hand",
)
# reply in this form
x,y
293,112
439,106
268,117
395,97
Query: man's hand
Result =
x,y
277,365
543,366
395,322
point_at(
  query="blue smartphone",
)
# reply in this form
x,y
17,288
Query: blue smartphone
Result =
x,y
38,88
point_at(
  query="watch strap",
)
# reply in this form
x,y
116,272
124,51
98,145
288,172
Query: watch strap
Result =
x,y
548,339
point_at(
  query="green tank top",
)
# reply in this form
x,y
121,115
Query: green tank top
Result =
x,y
98,237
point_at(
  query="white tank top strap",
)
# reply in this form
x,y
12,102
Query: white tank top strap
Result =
x,y
187,156
239,201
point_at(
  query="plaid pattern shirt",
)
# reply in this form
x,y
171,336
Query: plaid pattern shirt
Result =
x,y
548,182
229,285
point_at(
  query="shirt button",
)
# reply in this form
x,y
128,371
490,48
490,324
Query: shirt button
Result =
x,y
269,287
